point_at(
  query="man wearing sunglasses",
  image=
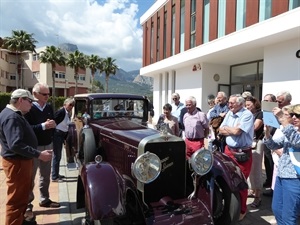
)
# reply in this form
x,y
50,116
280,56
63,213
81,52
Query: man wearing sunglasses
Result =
x,y
19,148
41,119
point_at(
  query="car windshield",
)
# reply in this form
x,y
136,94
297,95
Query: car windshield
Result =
x,y
104,108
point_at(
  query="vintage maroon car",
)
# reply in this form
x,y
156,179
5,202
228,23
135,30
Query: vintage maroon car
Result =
x,y
132,174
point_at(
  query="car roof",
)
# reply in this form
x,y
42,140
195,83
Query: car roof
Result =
x,y
108,95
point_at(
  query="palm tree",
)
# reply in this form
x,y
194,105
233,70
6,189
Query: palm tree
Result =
x,y
76,60
109,67
20,42
94,62
54,56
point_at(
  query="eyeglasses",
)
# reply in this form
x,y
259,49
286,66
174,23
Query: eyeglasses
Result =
x,y
295,114
175,99
44,94
28,99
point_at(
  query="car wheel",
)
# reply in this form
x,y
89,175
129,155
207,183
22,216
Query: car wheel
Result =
x,y
226,208
88,149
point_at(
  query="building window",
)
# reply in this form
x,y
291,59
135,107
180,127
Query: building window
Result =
x,y
82,77
36,75
60,75
240,14
193,24
158,39
294,4
12,77
165,35
173,31
35,57
247,77
152,43
182,27
221,18
265,9
206,21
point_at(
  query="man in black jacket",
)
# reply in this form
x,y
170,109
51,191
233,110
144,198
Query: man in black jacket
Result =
x,y
19,148
41,119
62,119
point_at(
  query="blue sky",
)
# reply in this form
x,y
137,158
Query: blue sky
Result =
x,y
102,27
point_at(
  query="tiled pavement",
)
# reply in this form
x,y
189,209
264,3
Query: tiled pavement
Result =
x,y
67,214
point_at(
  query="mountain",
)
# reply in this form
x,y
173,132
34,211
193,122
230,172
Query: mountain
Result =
x,y
128,82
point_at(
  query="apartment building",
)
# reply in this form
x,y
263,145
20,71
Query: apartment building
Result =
x,y
200,47
24,70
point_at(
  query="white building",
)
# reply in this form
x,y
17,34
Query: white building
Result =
x,y
200,47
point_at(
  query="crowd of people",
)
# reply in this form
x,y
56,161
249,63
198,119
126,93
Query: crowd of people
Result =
x,y
31,138
239,131
32,135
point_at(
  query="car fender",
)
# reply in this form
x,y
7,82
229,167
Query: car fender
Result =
x,y
103,190
224,168
229,170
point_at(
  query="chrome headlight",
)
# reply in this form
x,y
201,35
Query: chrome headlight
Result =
x,y
202,161
146,167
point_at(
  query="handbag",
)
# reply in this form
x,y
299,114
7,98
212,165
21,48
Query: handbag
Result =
x,y
295,158
255,140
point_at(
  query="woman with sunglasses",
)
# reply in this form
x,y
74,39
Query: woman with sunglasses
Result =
x,y
286,196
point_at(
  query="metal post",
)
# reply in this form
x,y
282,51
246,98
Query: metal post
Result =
x,y
17,71
66,82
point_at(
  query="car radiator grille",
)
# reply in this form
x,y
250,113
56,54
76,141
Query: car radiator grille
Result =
x,y
171,181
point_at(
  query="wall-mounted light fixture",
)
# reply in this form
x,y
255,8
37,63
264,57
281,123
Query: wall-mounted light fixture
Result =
x,y
197,67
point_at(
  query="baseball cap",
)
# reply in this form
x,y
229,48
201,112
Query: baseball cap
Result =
x,y
246,94
22,93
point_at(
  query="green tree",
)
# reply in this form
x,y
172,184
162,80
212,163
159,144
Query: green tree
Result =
x,y
54,56
97,87
20,42
76,60
109,67
94,62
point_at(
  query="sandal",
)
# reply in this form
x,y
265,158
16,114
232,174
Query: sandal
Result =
x,y
251,194
256,203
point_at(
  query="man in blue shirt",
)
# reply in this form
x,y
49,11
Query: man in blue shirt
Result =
x,y
221,108
238,127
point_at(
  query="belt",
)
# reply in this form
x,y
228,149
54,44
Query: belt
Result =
x,y
244,149
195,139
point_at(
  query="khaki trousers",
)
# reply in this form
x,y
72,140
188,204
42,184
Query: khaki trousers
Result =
x,y
18,179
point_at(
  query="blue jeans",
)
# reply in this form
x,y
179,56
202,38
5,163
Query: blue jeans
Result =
x,y
58,140
286,200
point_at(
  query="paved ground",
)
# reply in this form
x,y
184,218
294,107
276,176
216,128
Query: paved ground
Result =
x,y
67,214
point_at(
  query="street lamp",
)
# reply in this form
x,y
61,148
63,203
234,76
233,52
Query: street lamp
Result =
x,y
66,82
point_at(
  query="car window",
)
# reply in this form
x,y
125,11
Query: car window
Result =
x,y
80,108
103,108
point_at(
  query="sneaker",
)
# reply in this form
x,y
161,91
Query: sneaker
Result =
x,y
29,216
256,203
50,204
57,180
25,222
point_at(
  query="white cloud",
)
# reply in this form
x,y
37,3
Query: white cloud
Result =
x,y
110,28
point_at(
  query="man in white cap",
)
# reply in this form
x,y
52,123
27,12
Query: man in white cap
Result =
x,y
19,147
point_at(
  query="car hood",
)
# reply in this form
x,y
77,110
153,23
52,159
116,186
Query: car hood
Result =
x,y
123,128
